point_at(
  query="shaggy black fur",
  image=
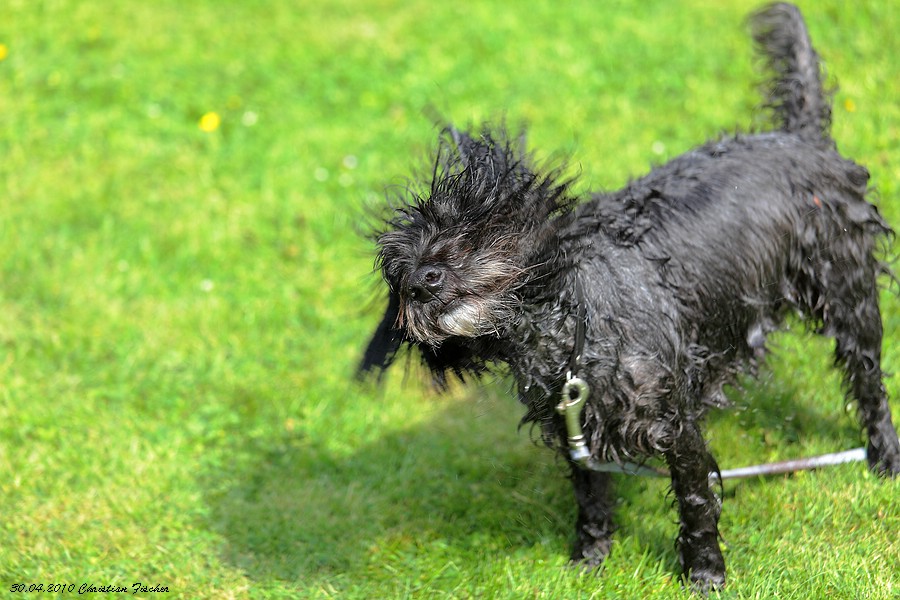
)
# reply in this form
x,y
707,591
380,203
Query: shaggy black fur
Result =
x,y
684,272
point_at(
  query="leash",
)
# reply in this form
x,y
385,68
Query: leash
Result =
x,y
576,390
575,393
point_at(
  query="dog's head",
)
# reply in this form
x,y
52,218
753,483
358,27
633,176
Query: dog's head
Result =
x,y
456,252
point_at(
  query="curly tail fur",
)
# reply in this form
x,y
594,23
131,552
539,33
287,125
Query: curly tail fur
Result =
x,y
795,92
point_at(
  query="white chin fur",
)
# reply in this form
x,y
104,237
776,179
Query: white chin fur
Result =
x,y
463,320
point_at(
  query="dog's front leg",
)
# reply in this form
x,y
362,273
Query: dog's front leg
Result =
x,y
698,541
594,527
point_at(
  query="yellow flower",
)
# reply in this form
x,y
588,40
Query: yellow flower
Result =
x,y
210,122
4,51
850,105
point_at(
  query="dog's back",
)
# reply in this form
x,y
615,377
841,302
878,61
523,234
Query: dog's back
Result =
x,y
746,227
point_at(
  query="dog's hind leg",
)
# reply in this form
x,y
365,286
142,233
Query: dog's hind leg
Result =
x,y
594,527
857,329
690,464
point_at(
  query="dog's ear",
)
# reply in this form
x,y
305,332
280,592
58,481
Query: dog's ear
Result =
x,y
384,343
474,150
466,147
490,147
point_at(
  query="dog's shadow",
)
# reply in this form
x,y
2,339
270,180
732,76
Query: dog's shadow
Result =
x,y
464,481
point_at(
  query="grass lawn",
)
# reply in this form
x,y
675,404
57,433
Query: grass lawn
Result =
x,y
184,293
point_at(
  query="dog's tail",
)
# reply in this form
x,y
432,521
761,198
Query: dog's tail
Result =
x,y
794,92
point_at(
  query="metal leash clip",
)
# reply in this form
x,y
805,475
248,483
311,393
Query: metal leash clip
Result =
x,y
574,396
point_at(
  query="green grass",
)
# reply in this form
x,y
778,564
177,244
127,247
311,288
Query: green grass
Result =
x,y
181,310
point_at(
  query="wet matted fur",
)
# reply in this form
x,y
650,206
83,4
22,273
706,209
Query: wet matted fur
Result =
x,y
682,274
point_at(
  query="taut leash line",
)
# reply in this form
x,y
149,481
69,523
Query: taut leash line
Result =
x,y
574,396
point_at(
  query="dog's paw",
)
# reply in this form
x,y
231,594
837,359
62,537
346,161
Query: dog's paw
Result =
x,y
704,581
884,459
703,563
889,469
590,554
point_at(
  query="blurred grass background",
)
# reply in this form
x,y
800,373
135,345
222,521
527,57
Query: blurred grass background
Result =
x,y
184,293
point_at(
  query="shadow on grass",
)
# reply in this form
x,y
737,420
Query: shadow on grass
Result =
x,y
462,487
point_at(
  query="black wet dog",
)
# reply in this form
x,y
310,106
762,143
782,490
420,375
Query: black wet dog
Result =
x,y
657,295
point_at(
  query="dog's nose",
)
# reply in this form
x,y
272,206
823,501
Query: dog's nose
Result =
x,y
425,284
